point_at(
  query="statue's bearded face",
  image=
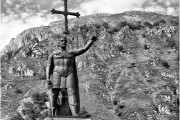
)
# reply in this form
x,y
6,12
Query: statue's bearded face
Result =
x,y
62,42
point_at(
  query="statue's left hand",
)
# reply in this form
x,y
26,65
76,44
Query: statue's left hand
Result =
x,y
49,84
94,38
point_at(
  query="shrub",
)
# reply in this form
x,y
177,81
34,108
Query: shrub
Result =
x,y
40,98
138,25
147,24
165,64
171,42
147,46
114,102
35,109
113,30
32,112
122,24
43,115
17,116
106,25
121,48
7,56
97,26
18,91
144,35
174,22
134,26
84,28
162,21
157,23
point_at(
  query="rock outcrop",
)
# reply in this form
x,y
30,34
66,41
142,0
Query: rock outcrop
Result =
x,y
20,69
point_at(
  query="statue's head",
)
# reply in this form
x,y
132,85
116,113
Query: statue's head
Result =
x,y
62,41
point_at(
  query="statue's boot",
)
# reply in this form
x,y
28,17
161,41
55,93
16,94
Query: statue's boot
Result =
x,y
72,102
54,96
74,110
54,111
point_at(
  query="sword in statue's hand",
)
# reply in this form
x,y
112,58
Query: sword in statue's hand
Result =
x,y
65,13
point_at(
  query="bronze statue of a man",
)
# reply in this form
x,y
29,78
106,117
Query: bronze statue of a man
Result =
x,y
61,68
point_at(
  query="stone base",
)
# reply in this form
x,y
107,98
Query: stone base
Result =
x,y
66,118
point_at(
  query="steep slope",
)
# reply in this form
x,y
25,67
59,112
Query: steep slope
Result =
x,y
131,72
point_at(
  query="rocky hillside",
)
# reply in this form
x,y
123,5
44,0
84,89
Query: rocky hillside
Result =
x,y
131,72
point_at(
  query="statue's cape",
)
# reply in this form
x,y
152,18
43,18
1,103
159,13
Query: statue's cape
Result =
x,y
76,85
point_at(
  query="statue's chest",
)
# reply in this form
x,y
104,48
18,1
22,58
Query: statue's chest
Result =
x,y
63,58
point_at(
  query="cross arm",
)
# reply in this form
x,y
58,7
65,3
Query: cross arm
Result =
x,y
53,11
74,14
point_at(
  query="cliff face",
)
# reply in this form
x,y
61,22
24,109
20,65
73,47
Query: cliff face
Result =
x,y
132,69
44,32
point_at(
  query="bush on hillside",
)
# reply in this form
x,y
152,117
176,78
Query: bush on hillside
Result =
x,y
105,25
174,22
147,24
17,116
132,25
40,98
171,42
97,26
18,91
84,28
135,26
113,30
157,23
35,109
122,24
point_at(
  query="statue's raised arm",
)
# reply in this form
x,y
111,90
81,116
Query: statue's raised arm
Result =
x,y
86,47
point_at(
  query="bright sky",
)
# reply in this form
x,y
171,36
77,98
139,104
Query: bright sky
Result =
x,y
18,15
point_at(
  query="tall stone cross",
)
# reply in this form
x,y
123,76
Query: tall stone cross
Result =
x,y
65,13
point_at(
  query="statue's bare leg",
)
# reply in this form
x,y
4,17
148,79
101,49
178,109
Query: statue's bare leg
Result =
x,y
54,96
72,101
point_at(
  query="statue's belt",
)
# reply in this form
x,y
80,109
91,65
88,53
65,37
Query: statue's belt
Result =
x,y
70,70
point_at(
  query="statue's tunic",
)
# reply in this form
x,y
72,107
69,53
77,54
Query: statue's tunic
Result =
x,y
63,71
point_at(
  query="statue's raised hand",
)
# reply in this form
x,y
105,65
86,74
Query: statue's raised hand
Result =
x,y
94,38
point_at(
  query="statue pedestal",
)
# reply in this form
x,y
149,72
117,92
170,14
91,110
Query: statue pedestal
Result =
x,y
66,118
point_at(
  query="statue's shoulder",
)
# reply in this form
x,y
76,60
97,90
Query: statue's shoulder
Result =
x,y
70,52
56,52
